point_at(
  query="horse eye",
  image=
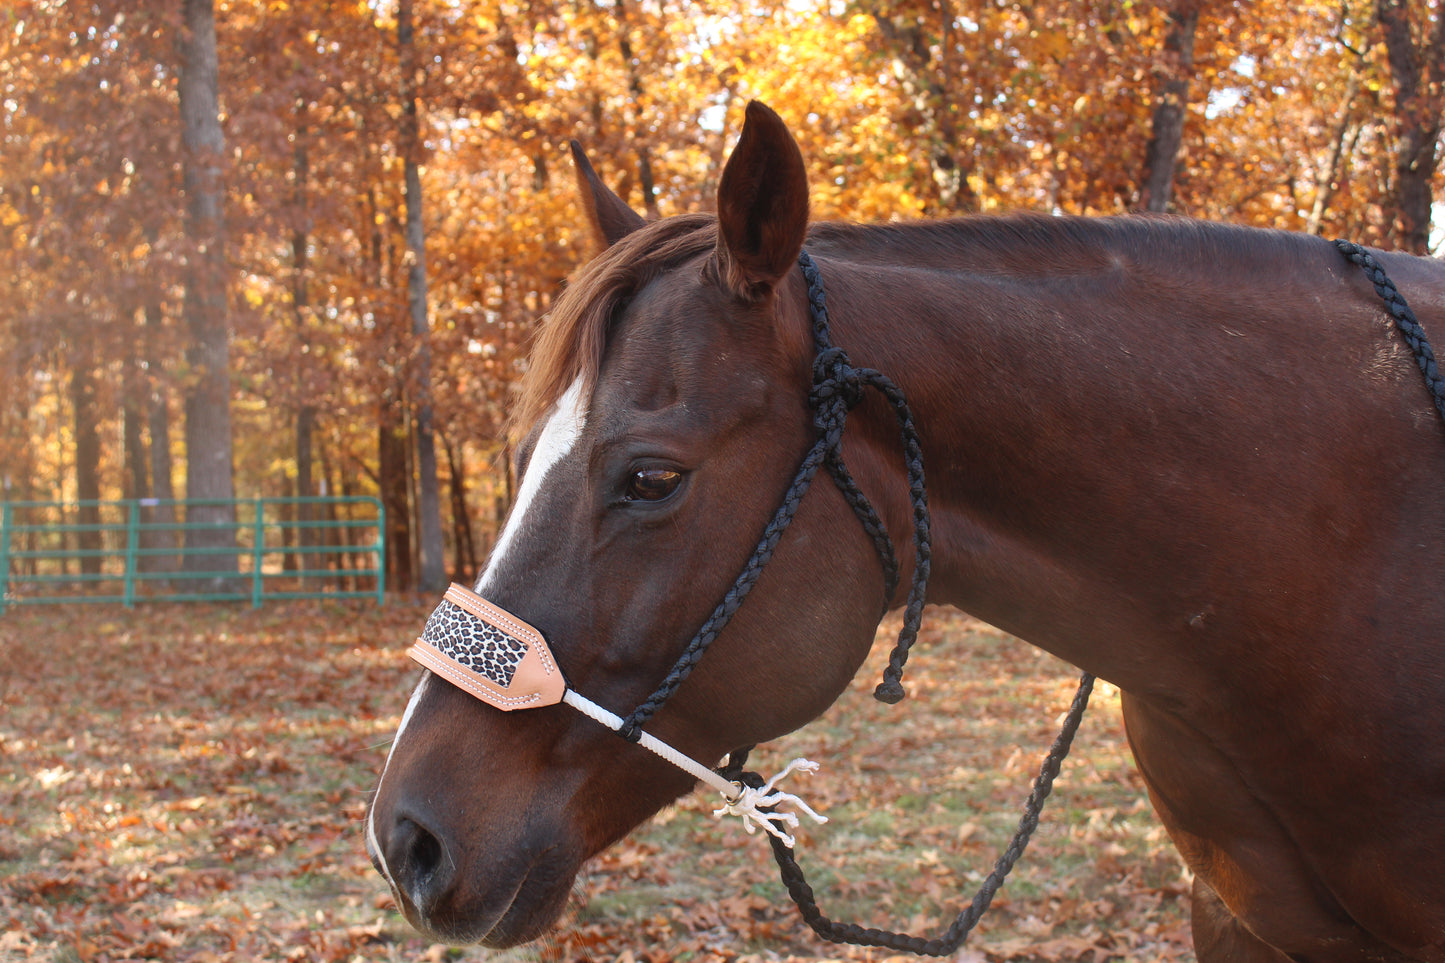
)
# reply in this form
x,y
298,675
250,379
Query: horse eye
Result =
x,y
652,484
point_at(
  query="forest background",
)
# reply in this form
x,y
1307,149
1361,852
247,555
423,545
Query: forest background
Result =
x,y
262,248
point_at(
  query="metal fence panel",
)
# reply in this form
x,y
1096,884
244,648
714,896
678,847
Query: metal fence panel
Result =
x,y
136,550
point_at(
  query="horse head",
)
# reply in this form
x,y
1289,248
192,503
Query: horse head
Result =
x,y
663,415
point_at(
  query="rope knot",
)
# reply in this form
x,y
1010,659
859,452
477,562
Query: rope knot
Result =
x,y
835,381
889,692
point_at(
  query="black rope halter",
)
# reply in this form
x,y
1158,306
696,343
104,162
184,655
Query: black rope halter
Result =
x,y
838,387
1410,328
949,941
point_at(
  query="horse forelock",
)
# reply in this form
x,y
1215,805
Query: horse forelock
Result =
x,y
572,338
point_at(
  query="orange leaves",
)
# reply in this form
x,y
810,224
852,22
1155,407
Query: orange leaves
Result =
x,y
170,786
172,791
903,108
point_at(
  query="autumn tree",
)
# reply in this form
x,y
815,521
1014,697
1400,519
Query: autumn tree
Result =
x,y
1170,99
433,570
208,401
1415,42
360,210
85,160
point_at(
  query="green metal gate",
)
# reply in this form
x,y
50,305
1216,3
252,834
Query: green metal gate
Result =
x,y
137,550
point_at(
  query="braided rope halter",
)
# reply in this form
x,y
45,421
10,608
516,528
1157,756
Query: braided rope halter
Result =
x,y
837,389
500,659
890,691
527,675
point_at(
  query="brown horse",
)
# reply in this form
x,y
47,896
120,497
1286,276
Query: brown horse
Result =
x,y
1196,460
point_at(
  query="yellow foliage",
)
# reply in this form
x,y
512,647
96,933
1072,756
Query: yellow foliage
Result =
x,y
1043,106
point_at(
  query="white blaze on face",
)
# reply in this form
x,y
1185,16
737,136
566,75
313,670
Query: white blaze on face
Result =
x,y
560,432
371,841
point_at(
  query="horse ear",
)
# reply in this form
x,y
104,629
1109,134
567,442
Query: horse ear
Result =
x,y
610,217
762,205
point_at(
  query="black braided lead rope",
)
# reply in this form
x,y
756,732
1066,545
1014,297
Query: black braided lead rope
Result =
x,y
872,524
833,374
632,726
1405,319
949,941
837,388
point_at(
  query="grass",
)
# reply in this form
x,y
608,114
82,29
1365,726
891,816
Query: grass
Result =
x,y
186,782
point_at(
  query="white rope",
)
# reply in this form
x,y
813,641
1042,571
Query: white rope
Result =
x,y
614,722
738,799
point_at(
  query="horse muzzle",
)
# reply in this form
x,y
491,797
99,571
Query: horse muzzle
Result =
x,y
469,826
455,895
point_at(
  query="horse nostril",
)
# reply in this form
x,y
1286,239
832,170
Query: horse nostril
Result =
x,y
419,860
427,852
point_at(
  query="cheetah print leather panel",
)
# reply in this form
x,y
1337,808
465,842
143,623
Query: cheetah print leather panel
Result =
x,y
483,648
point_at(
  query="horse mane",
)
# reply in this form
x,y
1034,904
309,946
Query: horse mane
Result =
x,y
1028,244
573,336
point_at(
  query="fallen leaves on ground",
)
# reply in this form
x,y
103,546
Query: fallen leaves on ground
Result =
x,y
186,783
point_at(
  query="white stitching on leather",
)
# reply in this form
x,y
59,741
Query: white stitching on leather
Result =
x,y
450,671
498,617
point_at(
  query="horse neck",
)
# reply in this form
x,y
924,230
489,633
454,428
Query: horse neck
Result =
x,y
997,350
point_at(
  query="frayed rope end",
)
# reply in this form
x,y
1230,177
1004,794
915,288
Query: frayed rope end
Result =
x,y
750,802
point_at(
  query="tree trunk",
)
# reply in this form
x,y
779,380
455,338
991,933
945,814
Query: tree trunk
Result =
x,y
1418,73
158,426
87,459
305,513
392,481
1170,100
926,82
1346,134
408,474
330,537
392,440
208,400
640,136
341,537
464,567
136,476
285,514
502,501
433,564
300,301
348,536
